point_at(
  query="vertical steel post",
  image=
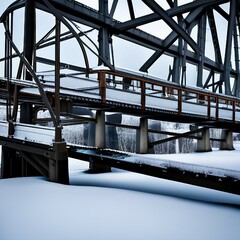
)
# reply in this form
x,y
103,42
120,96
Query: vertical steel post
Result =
x,y
237,62
29,34
7,70
28,51
180,101
227,60
201,43
143,95
58,131
103,36
209,107
102,86
233,111
217,108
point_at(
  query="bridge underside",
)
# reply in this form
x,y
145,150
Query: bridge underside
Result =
x,y
28,159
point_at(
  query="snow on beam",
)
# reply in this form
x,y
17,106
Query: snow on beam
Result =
x,y
33,133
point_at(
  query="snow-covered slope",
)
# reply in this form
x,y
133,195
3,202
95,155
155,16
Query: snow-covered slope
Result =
x,y
116,205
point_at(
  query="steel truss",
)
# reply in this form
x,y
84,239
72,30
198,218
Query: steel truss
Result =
x,y
185,49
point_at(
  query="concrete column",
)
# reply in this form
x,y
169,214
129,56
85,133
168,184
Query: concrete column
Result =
x,y
204,145
58,164
100,129
100,142
111,131
143,136
227,144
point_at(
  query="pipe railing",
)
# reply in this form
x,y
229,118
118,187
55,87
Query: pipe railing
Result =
x,y
147,87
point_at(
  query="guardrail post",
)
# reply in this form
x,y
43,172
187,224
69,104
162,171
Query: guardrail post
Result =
x,y
179,101
209,107
217,108
143,95
102,86
233,111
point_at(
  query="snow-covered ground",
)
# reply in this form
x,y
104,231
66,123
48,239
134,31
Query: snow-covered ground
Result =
x,y
117,205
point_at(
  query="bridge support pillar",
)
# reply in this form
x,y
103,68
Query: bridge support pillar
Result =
x,y
58,164
100,142
100,129
227,143
142,137
111,131
204,144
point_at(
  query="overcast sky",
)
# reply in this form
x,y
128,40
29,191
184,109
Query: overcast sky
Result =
x,y
127,55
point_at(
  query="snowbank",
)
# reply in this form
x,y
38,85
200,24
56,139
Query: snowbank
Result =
x,y
116,205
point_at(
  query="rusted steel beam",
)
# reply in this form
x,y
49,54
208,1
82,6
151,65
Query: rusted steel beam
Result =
x,y
102,86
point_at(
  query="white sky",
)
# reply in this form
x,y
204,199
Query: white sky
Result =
x,y
125,52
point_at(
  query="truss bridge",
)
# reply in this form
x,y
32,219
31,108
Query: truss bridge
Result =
x,y
65,64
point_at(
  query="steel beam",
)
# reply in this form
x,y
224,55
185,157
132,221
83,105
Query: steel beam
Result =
x,y
213,28
169,40
28,52
236,87
172,12
29,34
82,14
104,36
201,43
227,59
58,130
172,24
131,9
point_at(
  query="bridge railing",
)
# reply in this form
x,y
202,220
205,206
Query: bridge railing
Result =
x,y
150,93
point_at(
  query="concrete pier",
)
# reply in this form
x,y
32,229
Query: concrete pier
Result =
x,y
142,137
58,164
227,143
100,142
204,144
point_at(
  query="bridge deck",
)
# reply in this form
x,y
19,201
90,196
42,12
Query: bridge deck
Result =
x,y
138,95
